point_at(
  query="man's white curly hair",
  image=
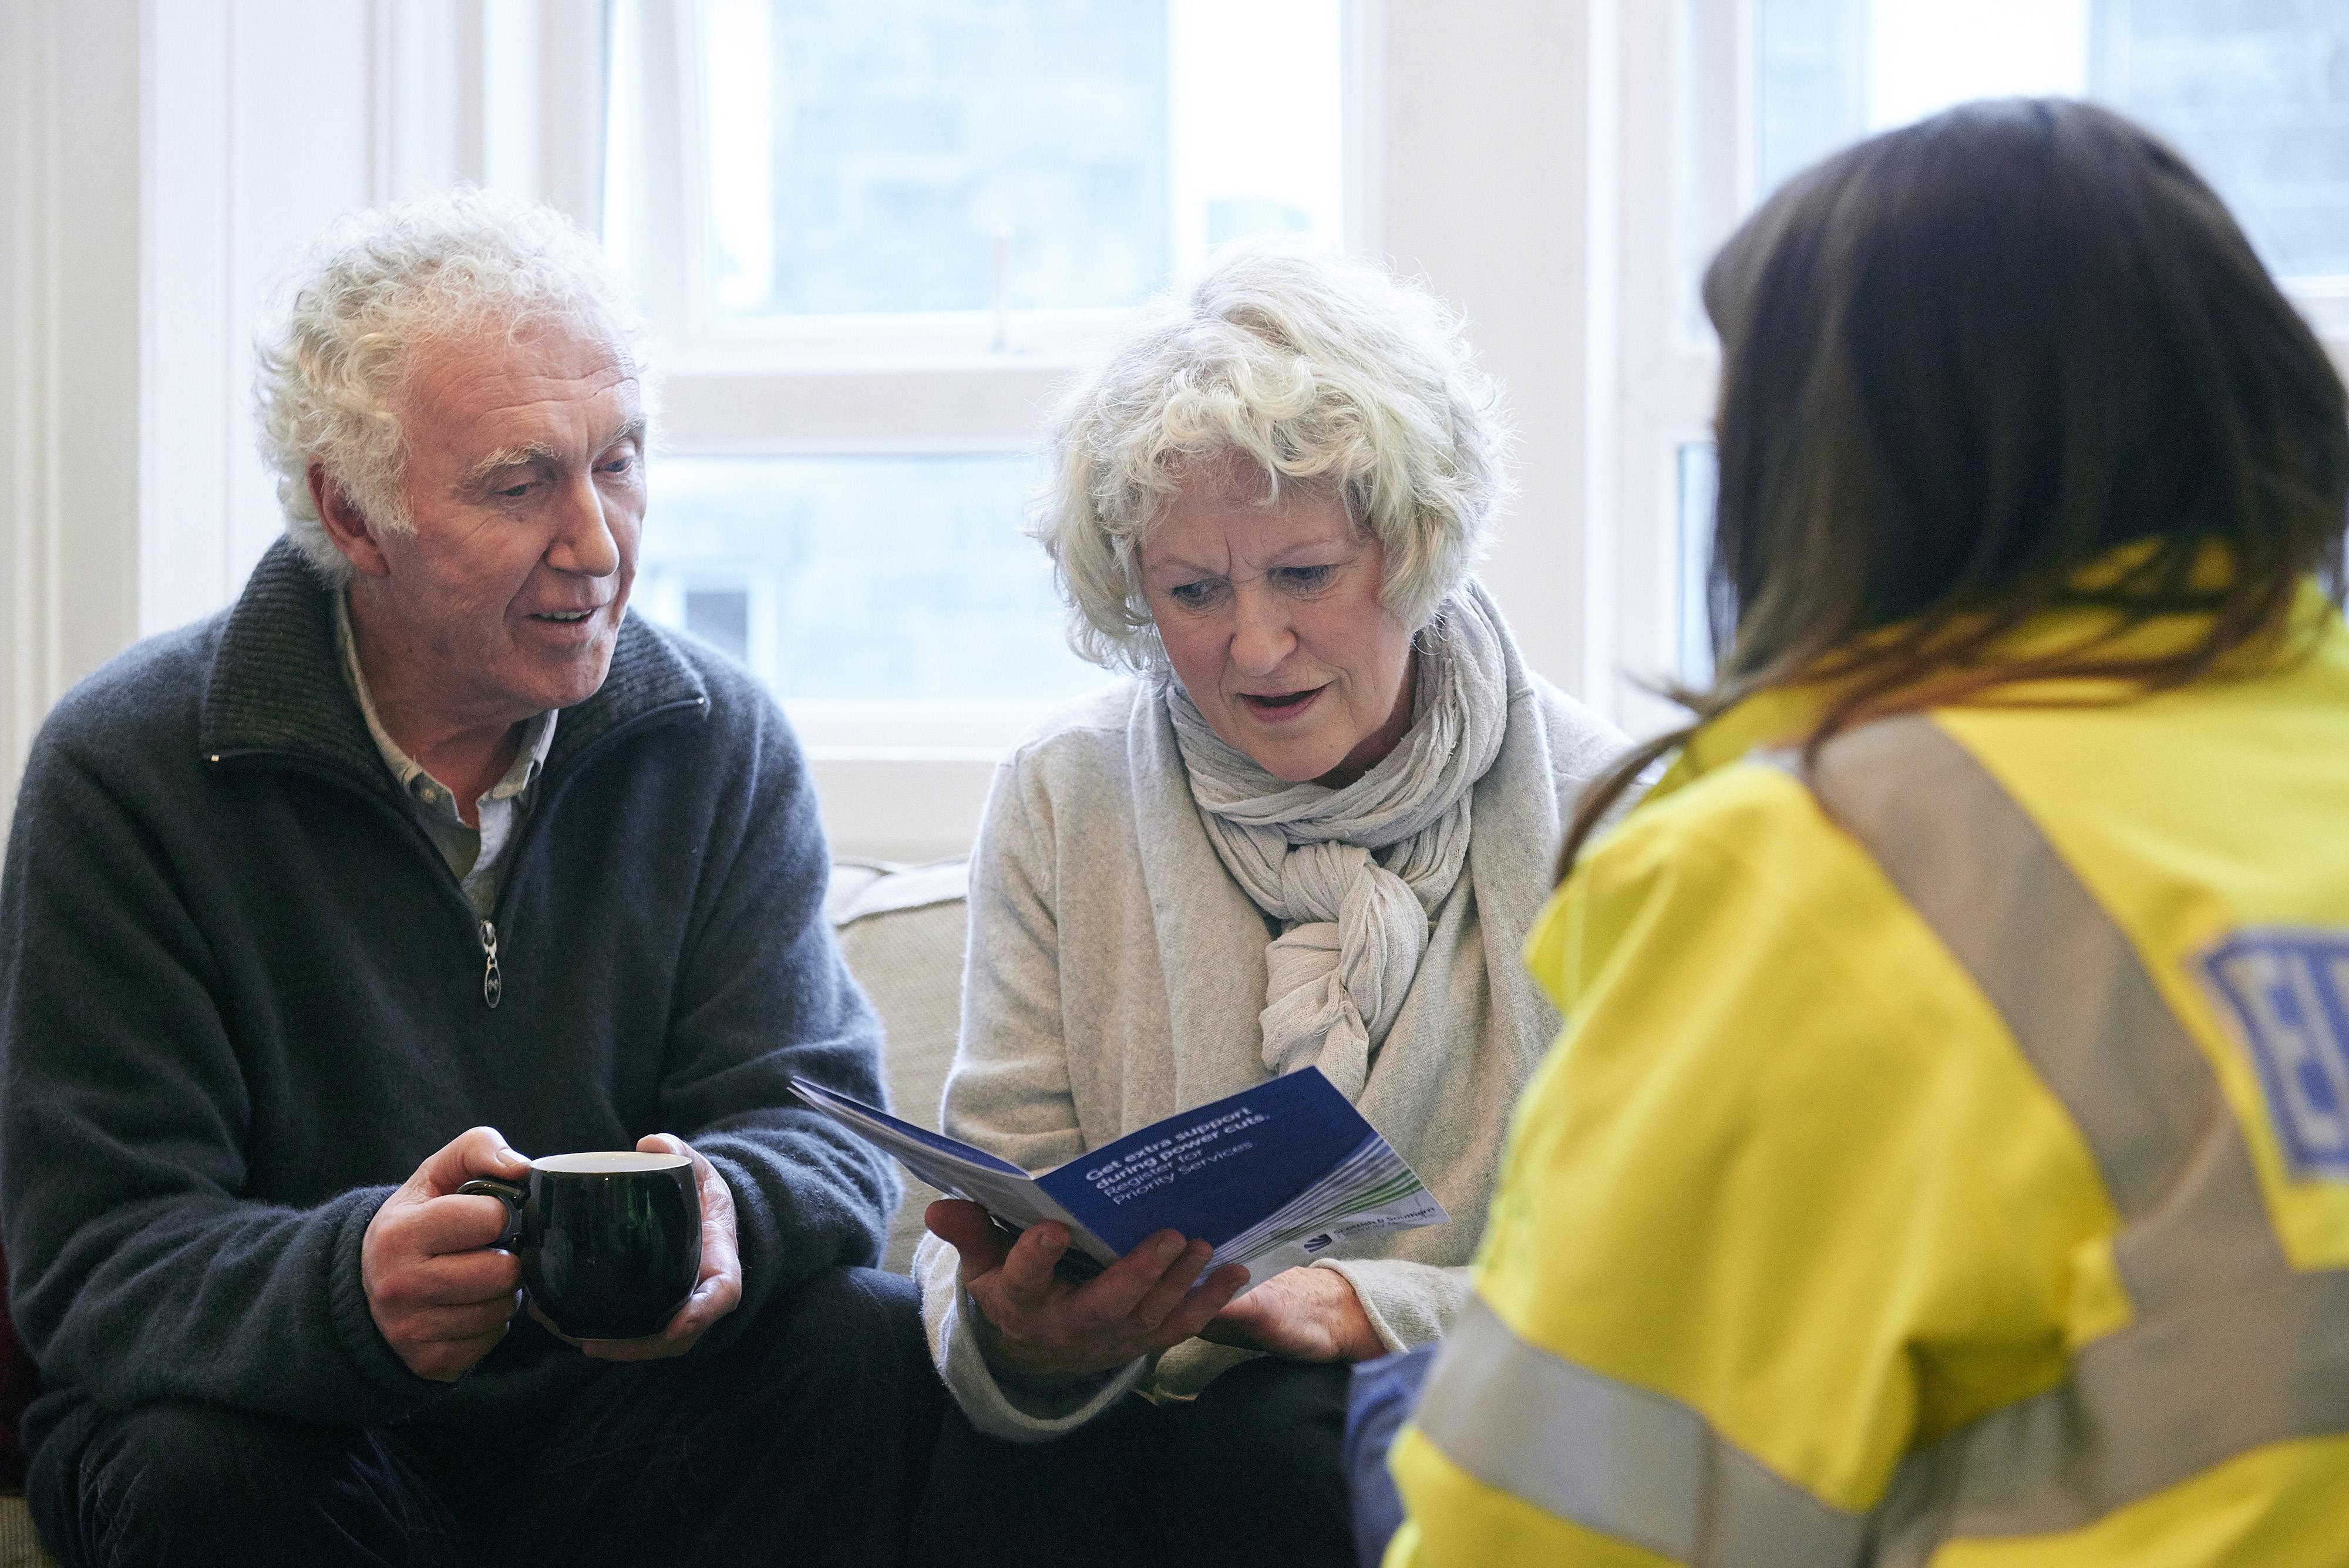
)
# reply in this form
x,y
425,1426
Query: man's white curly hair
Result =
x,y
383,282
1320,369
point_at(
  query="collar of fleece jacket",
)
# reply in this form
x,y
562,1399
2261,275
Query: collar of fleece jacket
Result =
x,y
275,687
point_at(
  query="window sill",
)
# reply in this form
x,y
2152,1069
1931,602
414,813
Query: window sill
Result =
x,y
905,779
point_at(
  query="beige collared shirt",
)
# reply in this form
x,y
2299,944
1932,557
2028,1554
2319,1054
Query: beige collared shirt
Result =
x,y
476,856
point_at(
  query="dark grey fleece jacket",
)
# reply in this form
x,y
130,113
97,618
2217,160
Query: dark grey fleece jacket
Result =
x,y
242,998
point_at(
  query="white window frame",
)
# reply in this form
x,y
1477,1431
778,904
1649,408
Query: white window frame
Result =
x,y
902,779
668,176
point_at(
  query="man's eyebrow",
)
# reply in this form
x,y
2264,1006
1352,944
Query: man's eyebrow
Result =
x,y
506,457
536,452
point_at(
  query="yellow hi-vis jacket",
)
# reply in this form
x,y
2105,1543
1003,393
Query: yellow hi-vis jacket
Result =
x,y
1946,1159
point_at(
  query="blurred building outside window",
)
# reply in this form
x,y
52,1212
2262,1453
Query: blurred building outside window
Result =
x,y
2254,93
896,224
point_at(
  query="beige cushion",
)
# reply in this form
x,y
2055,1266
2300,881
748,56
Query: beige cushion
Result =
x,y
19,1546
902,928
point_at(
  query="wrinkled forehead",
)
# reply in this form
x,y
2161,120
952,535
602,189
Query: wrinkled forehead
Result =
x,y
1235,478
483,381
1233,516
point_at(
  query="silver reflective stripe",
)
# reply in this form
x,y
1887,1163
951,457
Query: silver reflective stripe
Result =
x,y
2143,1410
2038,944
2229,1347
1620,1460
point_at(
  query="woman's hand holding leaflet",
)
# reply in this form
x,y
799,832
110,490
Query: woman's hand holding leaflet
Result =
x,y
1300,1314
1042,1326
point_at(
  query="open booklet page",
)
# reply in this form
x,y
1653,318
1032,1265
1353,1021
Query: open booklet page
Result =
x,y
1274,1176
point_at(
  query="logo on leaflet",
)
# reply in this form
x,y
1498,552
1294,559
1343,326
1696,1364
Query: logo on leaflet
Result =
x,y
2289,990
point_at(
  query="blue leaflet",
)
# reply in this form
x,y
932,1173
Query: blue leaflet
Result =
x,y
833,1101
1274,1176
1214,1172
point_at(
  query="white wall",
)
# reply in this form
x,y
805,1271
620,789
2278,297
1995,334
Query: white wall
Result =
x,y
1485,182
70,80
248,152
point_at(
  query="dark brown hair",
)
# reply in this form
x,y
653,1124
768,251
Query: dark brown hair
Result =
x,y
1960,361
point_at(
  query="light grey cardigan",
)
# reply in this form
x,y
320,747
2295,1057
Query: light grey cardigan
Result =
x,y
1116,970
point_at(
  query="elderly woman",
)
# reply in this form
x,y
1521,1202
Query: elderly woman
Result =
x,y
1311,828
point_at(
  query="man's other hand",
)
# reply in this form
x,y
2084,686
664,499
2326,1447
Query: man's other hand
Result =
x,y
440,1293
717,1292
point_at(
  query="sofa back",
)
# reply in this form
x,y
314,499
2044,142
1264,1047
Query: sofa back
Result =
x,y
902,928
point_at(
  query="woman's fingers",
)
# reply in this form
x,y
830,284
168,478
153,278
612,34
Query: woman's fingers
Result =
x,y
965,1226
1205,1304
1148,1300
1119,1291
1026,1279
1172,1285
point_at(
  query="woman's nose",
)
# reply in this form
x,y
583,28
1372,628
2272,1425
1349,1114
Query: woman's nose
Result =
x,y
1261,636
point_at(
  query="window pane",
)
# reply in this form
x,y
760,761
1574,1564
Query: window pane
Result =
x,y
2254,92
1814,71
860,576
721,617
887,156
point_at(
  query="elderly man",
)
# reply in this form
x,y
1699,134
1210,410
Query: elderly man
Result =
x,y
427,835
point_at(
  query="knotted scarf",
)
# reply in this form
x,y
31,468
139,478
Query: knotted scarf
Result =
x,y
1355,875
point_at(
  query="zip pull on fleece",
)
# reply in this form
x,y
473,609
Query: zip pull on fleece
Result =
x,y
493,984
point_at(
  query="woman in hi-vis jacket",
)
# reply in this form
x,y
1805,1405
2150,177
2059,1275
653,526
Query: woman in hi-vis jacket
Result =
x,y
1946,1157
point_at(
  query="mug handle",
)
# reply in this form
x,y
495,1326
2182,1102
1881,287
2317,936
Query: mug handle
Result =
x,y
512,1194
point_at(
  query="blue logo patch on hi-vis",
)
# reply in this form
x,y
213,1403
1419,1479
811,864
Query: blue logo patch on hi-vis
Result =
x,y
2289,990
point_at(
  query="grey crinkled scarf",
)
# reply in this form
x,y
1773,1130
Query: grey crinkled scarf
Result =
x,y
1356,874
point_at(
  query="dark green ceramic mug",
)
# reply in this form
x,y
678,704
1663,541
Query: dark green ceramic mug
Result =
x,y
610,1244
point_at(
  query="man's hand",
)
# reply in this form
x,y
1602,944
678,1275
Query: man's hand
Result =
x,y
1302,1315
1045,1327
717,1292
440,1293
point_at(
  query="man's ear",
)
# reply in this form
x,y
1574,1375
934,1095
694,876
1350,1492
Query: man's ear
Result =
x,y
345,525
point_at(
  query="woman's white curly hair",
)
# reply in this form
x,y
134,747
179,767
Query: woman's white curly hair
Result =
x,y
1320,369
374,287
